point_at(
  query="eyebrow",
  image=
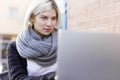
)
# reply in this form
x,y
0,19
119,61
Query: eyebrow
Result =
x,y
46,16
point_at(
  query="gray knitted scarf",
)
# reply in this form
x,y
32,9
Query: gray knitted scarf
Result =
x,y
31,46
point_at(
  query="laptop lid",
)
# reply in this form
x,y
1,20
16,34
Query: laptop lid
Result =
x,y
88,56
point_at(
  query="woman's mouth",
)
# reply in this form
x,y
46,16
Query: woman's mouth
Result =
x,y
47,30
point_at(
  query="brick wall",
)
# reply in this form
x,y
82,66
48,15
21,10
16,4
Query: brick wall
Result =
x,y
94,15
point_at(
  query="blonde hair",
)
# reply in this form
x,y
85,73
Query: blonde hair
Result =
x,y
37,7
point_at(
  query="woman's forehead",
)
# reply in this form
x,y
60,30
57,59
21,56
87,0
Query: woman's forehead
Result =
x,y
51,12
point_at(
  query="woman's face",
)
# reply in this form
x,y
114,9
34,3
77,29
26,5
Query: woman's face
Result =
x,y
45,22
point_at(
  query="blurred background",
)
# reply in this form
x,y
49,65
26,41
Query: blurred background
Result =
x,y
11,23
77,15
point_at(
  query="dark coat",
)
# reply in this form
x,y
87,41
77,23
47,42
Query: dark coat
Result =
x,y
17,66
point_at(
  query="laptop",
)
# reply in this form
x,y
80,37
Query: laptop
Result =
x,y
88,56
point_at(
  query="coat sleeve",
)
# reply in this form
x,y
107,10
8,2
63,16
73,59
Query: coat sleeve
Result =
x,y
17,66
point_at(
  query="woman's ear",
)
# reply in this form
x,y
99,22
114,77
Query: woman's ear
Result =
x,y
32,18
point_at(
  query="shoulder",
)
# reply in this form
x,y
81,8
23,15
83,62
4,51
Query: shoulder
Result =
x,y
11,48
13,54
12,44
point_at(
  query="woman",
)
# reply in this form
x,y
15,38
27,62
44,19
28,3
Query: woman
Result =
x,y
33,55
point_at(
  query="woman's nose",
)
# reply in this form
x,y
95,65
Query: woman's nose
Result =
x,y
49,22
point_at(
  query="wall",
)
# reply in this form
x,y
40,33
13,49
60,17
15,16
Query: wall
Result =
x,y
94,15
11,15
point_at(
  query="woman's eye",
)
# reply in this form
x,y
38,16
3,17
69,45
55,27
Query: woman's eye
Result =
x,y
54,18
43,18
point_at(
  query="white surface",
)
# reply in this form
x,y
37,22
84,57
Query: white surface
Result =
x,y
35,69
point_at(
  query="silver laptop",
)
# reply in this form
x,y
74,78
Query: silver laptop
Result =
x,y
88,56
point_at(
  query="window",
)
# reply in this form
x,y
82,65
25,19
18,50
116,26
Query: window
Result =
x,y
13,12
4,47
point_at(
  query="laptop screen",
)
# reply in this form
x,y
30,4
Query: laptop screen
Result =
x,y
88,56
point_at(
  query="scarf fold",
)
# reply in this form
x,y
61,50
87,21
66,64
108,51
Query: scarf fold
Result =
x,y
31,46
